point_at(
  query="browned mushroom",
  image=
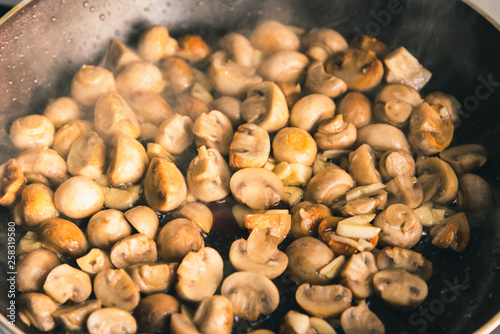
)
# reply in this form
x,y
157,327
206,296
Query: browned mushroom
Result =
x,y
11,181
271,36
31,131
240,50
322,43
213,130
400,226
365,42
36,309
465,158
395,103
65,283
115,288
192,48
400,289
87,156
89,83
154,277
276,222
250,147
198,213
112,114
111,320
305,220
155,43
69,200
214,315
449,102
394,163
63,238
294,145
284,66
359,319
382,137
33,268
139,78
356,108
323,301
177,238
43,165
403,67
309,111
329,185
443,186
177,74
453,232
73,318
37,205
402,258
67,133
127,159
106,227
230,107
358,272
362,166
154,312
474,193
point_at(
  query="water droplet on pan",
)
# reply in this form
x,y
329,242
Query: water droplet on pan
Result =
x,y
53,19
85,4
102,17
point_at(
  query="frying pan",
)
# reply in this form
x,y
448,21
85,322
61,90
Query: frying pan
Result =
x,y
44,42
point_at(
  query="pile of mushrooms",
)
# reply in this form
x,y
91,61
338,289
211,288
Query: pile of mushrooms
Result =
x,y
335,162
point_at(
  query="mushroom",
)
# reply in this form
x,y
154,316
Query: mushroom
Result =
x,y
230,107
303,268
134,249
394,163
36,309
154,277
208,175
400,289
395,103
127,160
323,301
335,134
33,268
150,108
449,102
177,238
294,174
328,186
87,156
309,111
65,283
431,129
359,69
240,50
28,243
155,43
258,254
284,66
180,323
298,323
213,130
362,166
94,261
408,260
294,145
465,158
405,189
177,74
112,114
106,227
258,188
403,67
266,106
139,78
365,204
276,222
250,147
78,197
305,220
322,43
214,315
43,165
199,274
63,238
143,219
11,181
320,82
62,110
115,288
359,319
118,55
400,226
111,320
271,36
357,274
73,318
175,134
452,232
192,48
291,91
32,131
251,294
164,185
89,83
37,205
190,106
474,193
382,137
444,185
365,42
199,214
67,133
356,108
154,312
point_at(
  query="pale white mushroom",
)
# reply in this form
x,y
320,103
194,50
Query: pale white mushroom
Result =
x,y
107,227
31,131
175,134
150,108
62,110
140,78
67,133
33,268
112,114
250,147
134,249
36,309
111,320
284,66
271,36
73,318
143,219
87,156
358,272
65,283
310,110
213,130
115,288
177,238
78,197
240,50
403,67
43,165
90,82
322,43
127,159
155,43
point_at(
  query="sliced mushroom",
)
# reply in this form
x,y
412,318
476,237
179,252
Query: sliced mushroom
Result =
x,y
405,189
401,258
128,160
356,108
322,43
382,137
320,82
328,186
175,134
230,107
395,103
213,130
284,66
65,283
465,158
251,294
150,108
67,133
43,165
62,110
445,184
115,288
362,166
182,324
310,110
177,238
143,219
11,181
400,226
291,91
258,188
95,261
394,163
69,198
305,220
33,268
271,36
474,193
400,289
87,156
31,131
359,319
365,42
73,318
154,277
199,274
294,174
111,320
36,309
453,232
199,214
118,55
134,249
323,301
299,323
335,134
62,237
214,315
266,106
37,205
106,227
365,204
112,115
90,82
177,74
358,272
250,147
155,43
276,222
403,67
294,145
154,312
192,48
140,78
240,50
449,102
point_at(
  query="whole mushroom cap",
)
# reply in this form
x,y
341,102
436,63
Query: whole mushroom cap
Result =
x,y
271,36
399,288
32,131
79,197
294,145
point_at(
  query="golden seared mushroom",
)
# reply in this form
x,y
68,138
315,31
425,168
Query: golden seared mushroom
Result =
x,y
240,50
128,160
150,108
303,268
208,175
328,186
213,130
43,165
395,103
198,213
155,43
229,78
79,197
37,205
400,226
408,260
394,163
115,288
62,110
67,133
143,219
453,232
276,222
266,106
230,107
164,185
251,294
36,309
258,254
320,82
89,83
362,166
403,67
65,283
323,301
305,221
111,320
154,277
134,249
118,55
465,158
177,238
33,268
154,312
192,48
73,318
284,66
299,323
87,156
250,147
271,36
405,189
382,137
357,274
335,134
400,289
63,238
474,193
177,74
322,43
258,188
356,108
140,78
449,102
438,179
360,319
431,129
180,323
106,227
31,131
11,181
214,315
175,134
94,261
365,42
294,145
112,115
310,110
199,274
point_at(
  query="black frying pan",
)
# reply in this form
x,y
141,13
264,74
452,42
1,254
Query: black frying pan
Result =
x,y
45,41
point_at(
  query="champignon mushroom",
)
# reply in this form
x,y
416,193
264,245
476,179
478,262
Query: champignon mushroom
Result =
x,y
134,249
310,110
474,193
294,145
128,160
250,147
444,187
78,197
94,261
67,133
362,166
33,268
465,158
358,272
328,186
365,42
36,309
395,103
394,163
143,219
154,312
112,114
43,165
251,294
258,188
118,55
192,48
107,227
87,156
400,289
111,320
271,36
298,323
305,220
335,134
214,315
323,301
276,222
359,319
28,243
240,50
90,82
405,189
140,78
198,213
37,205
284,66
175,134
177,238
408,260
62,110
322,43
403,67
291,91
11,181
449,102
63,238
320,82
65,283
452,232
177,74
356,108
115,288
213,130
31,131
400,226
365,204
154,277
382,137
180,323
73,318
230,107
155,43
150,108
